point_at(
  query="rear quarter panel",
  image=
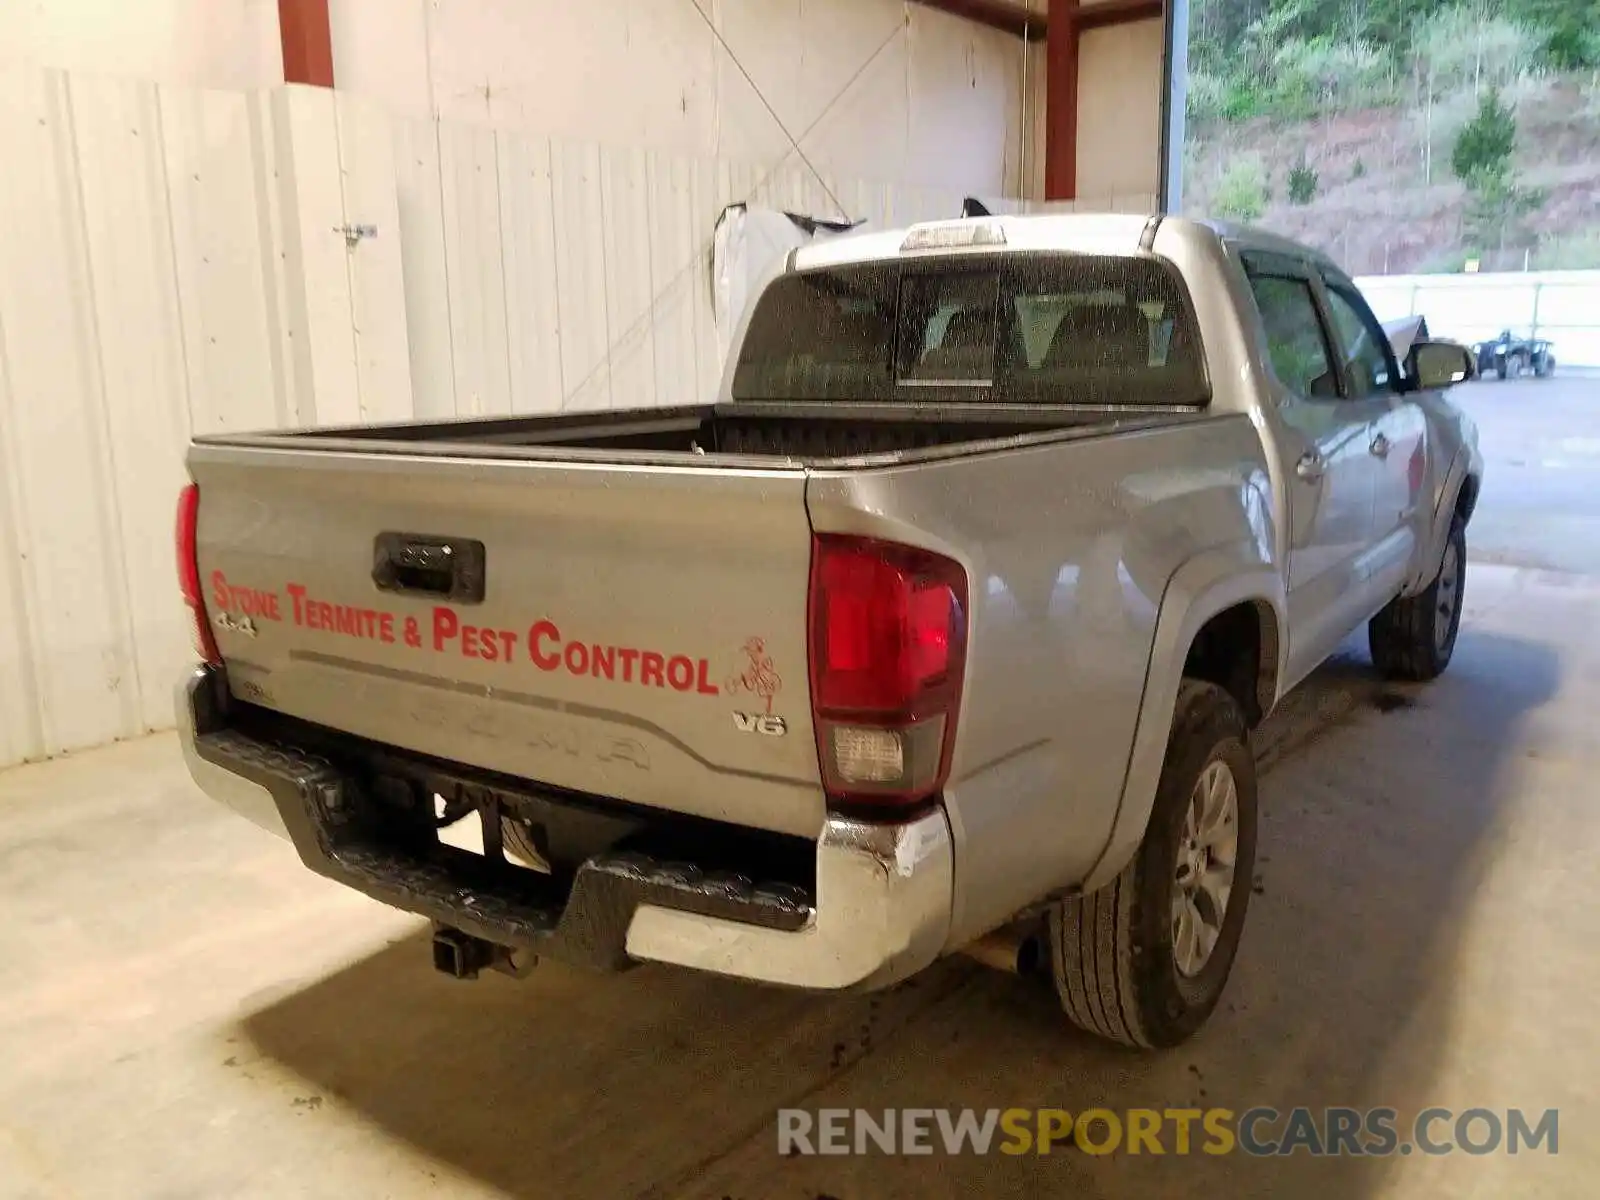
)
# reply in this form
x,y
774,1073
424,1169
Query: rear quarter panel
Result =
x,y
1070,548
1453,459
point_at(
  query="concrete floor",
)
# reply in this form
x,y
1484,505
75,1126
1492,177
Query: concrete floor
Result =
x,y
1542,439
185,1012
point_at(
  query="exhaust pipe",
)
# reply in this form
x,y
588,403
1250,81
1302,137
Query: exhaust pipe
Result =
x,y
1016,949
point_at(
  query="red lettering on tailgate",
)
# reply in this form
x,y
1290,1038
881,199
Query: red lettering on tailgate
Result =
x,y
445,627
577,658
703,685
651,668
247,601
547,650
680,673
543,631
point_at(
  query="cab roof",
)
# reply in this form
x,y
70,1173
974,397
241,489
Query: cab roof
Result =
x,y
1083,233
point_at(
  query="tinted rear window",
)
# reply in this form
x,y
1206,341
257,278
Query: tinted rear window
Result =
x,y
1035,329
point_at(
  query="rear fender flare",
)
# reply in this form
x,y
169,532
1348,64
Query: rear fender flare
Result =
x,y
1438,529
1204,586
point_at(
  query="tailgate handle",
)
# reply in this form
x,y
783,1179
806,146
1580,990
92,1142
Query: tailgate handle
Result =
x,y
417,564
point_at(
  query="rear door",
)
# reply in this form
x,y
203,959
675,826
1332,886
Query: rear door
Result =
x,y
1398,437
633,632
1325,446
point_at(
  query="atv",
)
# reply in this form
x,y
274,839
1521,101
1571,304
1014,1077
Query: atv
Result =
x,y
1510,356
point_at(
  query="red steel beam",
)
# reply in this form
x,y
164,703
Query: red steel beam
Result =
x,y
307,44
1004,15
1068,22
1117,12
1061,102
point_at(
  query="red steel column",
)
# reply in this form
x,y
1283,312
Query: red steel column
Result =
x,y
307,44
1061,102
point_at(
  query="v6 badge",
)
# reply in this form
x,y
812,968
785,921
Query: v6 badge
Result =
x,y
763,723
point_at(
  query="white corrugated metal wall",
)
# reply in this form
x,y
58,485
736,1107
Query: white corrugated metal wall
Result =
x,y
543,274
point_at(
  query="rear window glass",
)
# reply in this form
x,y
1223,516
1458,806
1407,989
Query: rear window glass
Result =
x,y
1026,329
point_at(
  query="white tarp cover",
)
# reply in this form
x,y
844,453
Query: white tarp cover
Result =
x,y
1404,332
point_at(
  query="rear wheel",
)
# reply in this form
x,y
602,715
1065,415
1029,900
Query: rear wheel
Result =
x,y
1414,637
1143,961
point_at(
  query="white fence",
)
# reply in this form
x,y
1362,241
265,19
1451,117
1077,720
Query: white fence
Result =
x,y
1563,306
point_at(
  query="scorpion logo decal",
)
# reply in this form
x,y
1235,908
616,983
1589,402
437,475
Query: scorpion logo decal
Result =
x,y
756,675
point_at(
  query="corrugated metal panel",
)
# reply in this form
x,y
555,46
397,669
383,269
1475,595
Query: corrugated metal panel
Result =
x,y
475,268
122,173
533,325
625,200
316,259
742,183
420,203
706,208
64,528
868,202
581,275
233,328
678,280
377,279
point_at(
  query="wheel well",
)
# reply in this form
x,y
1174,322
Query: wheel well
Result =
x,y
1238,651
1467,499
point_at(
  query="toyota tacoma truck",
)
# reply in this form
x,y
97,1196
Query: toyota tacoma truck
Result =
x,y
944,629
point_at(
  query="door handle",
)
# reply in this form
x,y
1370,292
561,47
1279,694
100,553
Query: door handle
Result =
x,y
1380,446
1310,466
449,568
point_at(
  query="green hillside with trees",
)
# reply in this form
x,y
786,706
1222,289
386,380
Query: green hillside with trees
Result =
x,y
1402,135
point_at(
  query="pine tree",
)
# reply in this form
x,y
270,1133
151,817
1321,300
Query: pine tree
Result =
x,y
1484,146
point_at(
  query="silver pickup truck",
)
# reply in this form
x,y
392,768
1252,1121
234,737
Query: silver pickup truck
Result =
x,y
944,629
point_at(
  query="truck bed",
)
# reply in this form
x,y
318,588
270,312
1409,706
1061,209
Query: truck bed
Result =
x,y
810,434
610,604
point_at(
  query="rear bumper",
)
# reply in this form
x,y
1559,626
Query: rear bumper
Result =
x,y
879,912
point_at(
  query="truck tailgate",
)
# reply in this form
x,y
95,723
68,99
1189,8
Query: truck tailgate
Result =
x,y
632,632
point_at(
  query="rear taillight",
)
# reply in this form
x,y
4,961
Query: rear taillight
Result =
x,y
189,573
888,654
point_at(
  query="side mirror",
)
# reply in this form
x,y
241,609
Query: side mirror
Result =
x,y
1441,364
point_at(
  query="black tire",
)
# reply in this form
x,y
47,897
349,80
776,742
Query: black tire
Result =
x,y
1111,951
1501,368
1406,639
